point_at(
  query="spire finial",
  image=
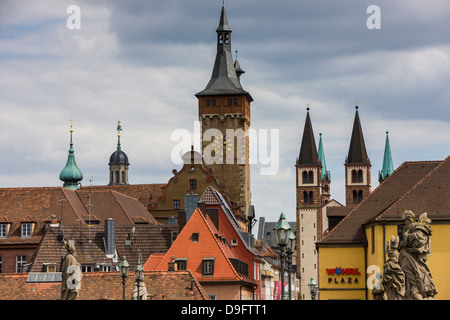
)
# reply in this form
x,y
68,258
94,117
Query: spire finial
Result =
x,y
307,106
71,121
119,128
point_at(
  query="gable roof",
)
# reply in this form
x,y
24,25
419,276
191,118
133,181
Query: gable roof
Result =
x,y
431,194
180,285
67,206
405,177
147,194
210,245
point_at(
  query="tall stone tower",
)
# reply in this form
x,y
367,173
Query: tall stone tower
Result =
x,y
357,167
224,113
310,199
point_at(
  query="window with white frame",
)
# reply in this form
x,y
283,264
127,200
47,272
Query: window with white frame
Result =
x,y
20,262
2,230
25,230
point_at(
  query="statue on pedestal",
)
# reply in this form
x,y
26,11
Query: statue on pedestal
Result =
x,y
70,273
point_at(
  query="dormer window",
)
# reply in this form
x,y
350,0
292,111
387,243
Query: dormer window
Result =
x,y
25,230
3,230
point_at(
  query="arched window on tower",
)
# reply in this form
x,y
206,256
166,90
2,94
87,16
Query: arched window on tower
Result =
x,y
310,177
117,176
305,177
354,176
360,196
123,176
360,176
308,197
355,196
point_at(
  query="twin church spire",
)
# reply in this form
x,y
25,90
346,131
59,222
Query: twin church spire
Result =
x,y
357,162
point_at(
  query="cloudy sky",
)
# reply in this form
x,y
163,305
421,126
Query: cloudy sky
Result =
x,y
142,61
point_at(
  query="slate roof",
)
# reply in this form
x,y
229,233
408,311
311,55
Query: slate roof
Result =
x,y
266,232
418,186
357,152
308,150
160,285
224,79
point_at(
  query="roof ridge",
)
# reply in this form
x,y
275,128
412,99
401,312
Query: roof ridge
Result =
x,y
413,187
120,204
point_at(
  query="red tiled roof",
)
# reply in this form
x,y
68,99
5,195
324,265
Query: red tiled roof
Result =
x,y
147,194
180,285
147,239
38,205
208,245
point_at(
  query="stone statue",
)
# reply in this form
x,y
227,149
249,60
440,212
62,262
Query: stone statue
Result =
x,y
70,273
406,273
414,252
142,291
394,277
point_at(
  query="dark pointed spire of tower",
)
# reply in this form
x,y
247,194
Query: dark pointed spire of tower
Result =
x,y
308,151
71,174
224,79
357,152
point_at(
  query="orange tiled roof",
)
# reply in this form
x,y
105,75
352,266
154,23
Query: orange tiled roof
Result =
x,y
180,285
209,245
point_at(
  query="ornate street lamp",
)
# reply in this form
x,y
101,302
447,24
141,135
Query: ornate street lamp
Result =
x,y
313,288
290,249
139,277
282,233
124,266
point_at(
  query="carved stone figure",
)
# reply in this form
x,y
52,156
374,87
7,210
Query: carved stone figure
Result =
x,y
70,274
414,252
406,273
394,277
142,292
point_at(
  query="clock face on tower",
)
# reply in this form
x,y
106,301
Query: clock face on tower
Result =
x,y
222,145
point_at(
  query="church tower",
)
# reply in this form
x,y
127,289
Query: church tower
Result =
x,y
118,163
357,167
71,175
224,113
310,199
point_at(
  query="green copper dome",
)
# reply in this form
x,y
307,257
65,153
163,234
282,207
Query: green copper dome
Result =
x,y
71,175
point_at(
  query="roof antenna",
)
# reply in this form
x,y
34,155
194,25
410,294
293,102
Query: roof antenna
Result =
x,y
60,237
89,210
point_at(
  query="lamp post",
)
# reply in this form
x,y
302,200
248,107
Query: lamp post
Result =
x,y
139,277
313,288
123,266
290,249
282,233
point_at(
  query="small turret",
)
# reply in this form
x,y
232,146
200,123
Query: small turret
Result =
x,y
118,163
71,174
